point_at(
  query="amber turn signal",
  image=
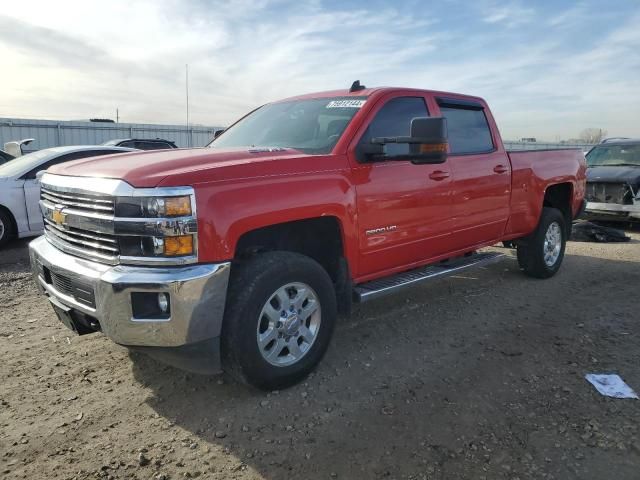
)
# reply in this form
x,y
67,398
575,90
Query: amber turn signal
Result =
x,y
179,245
433,147
177,206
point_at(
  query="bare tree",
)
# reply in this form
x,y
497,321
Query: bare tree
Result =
x,y
593,135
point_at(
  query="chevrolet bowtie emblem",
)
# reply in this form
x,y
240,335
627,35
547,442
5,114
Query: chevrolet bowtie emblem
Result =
x,y
58,217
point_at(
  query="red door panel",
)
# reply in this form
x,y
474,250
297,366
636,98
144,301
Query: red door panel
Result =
x,y
481,194
404,210
404,216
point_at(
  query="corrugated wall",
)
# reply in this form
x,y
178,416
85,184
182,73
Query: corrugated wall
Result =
x,y
51,133
544,146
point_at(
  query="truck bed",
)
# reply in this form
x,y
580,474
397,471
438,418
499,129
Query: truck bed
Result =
x,y
533,172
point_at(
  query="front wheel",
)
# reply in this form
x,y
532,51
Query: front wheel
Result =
x,y
281,311
541,254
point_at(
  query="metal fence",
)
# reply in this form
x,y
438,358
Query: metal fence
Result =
x,y
52,133
544,146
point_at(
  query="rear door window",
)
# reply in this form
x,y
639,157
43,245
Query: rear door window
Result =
x,y
468,128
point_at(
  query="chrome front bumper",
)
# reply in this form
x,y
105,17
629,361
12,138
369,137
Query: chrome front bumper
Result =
x,y
197,296
614,209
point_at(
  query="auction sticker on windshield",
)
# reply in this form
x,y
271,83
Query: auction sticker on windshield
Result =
x,y
346,103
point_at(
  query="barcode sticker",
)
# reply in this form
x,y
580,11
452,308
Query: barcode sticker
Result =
x,y
346,103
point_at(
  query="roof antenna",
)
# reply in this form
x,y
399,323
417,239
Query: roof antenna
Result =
x,y
356,87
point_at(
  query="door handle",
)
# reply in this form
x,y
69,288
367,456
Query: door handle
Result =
x,y
438,175
500,169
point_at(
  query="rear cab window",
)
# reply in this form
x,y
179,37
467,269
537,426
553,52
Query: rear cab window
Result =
x,y
467,126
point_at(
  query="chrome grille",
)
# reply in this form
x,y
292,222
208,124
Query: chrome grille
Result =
x,y
83,202
99,246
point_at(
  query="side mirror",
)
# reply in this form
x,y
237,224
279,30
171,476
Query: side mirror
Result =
x,y
429,140
427,143
218,133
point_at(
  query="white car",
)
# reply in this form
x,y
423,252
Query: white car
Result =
x,y
20,214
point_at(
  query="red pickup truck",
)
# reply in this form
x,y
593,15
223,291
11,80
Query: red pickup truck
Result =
x,y
239,256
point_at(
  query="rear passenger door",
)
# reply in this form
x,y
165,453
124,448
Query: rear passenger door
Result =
x,y
481,187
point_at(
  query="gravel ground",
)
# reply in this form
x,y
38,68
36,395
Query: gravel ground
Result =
x,y
478,376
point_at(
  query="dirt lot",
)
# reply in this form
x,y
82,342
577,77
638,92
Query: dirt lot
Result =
x,y
478,376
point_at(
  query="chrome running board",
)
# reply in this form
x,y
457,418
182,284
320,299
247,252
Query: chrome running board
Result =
x,y
383,286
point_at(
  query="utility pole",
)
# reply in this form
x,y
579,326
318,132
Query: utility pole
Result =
x,y
117,116
187,85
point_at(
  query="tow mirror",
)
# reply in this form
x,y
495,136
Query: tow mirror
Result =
x,y
429,140
427,143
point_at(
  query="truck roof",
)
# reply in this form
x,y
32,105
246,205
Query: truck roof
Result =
x,y
375,92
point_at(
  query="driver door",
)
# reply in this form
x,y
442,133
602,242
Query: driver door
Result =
x,y
404,210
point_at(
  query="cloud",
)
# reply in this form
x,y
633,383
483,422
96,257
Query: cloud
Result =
x,y
510,14
47,44
547,77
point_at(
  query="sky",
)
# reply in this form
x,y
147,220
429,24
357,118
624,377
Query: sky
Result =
x,y
548,69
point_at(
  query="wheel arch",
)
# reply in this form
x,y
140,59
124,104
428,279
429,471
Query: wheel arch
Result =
x,y
559,196
320,238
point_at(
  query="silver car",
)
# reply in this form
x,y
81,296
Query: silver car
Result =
x,y
20,214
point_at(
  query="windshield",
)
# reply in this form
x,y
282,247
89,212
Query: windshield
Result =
x,y
23,164
608,155
311,125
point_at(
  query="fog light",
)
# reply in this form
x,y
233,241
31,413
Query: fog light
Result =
x,y
163,302
150,306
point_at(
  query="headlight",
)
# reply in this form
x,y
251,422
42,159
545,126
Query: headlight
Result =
x,y
157,226
153,207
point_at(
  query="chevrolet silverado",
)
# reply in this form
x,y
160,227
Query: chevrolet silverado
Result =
x,y
240,256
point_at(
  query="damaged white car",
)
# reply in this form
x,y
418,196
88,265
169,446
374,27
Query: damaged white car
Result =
x,y
20,214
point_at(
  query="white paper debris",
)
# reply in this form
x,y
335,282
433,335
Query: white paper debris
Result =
x,y
611,385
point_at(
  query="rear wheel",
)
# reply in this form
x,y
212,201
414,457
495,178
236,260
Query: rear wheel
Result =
x,y
6,228
281,311
541,254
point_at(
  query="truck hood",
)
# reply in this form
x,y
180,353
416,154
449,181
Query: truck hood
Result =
x,y
612,174
191,166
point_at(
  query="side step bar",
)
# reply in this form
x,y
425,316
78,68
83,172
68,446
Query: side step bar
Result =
x,y
383,286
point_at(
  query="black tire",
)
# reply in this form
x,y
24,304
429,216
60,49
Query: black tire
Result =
x,y
253,283
6,228
531,250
